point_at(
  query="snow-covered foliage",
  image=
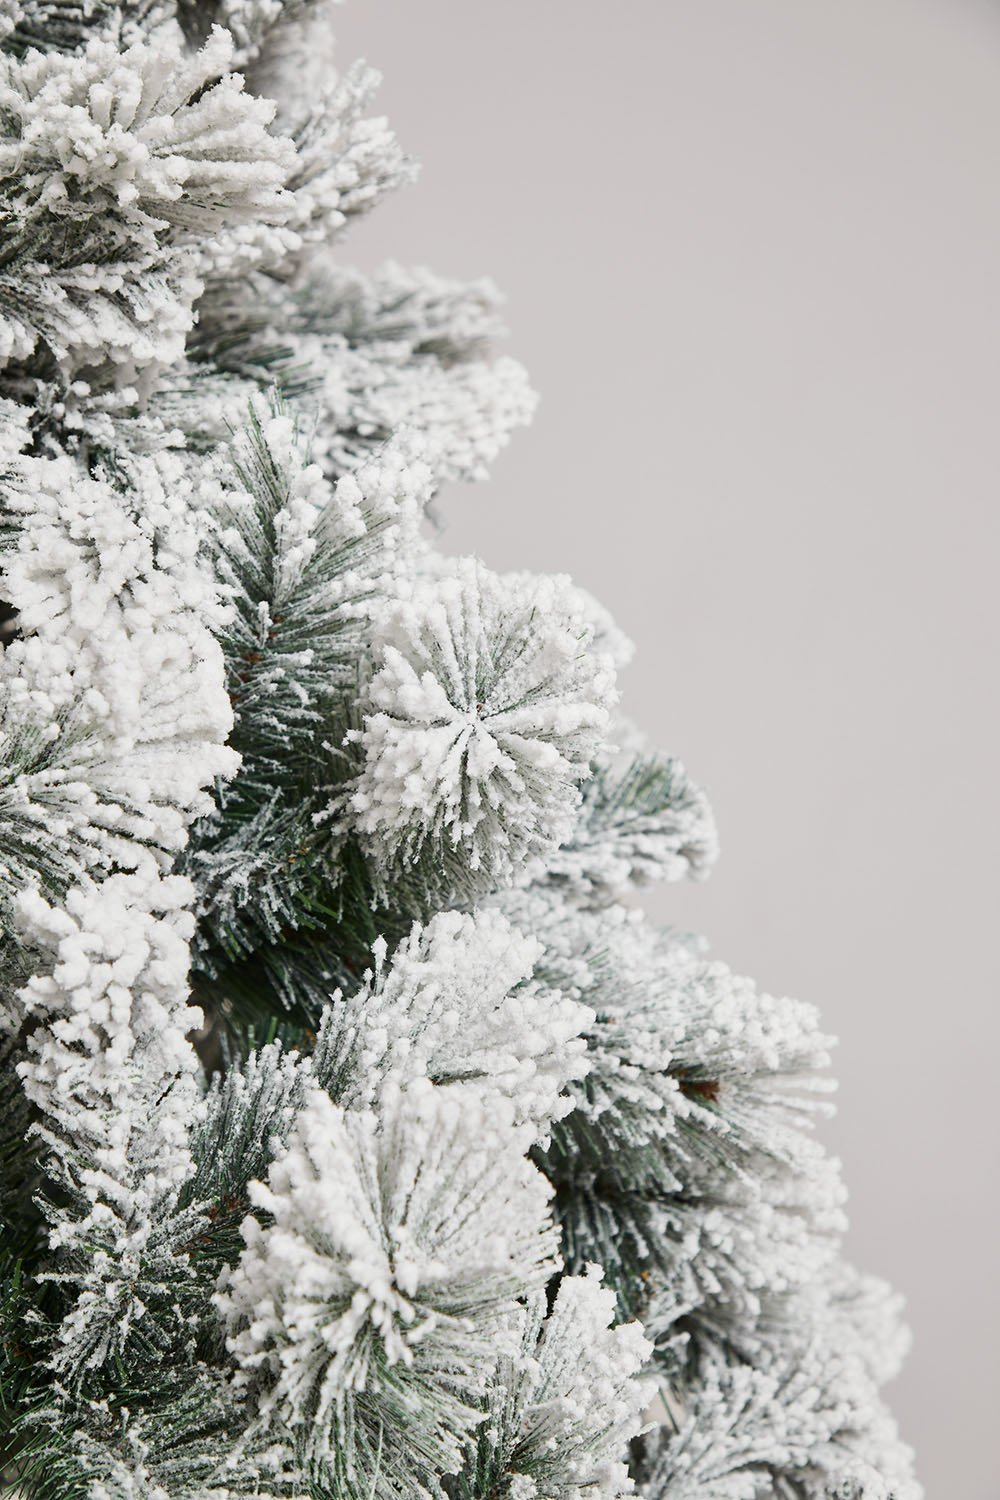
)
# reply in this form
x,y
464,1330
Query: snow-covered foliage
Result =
x,y
367,1307
479,722
121,174
356,1141
303,564
458,1006
344,159
113,709
563,1402
365,356
691,1069
110,1071
802,1416
641,820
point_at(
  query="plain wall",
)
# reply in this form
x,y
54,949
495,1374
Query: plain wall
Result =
x,y
752,253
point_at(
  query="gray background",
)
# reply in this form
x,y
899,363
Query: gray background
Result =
x,y
752,254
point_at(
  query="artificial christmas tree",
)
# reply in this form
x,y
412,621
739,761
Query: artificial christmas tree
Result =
x,y
360,1138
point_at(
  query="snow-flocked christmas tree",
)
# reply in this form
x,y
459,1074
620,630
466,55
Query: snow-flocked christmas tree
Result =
x,y
360,1138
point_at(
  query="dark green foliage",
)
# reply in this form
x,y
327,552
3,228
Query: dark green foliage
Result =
x,y
623,1231
56,25
264,871
291,645
288,906
248,1110
245,976
187,1436
162,1404
21,1223
47,833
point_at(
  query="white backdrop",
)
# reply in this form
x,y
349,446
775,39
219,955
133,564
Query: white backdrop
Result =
x,y
752,253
